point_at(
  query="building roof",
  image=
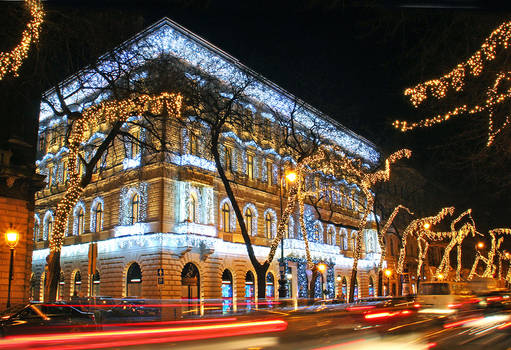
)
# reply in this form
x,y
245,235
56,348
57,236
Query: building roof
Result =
x,y
168,37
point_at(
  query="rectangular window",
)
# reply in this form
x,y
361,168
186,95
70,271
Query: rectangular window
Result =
x,y
135,144
269,171
194,147
228,159
50,176
250,167
64,171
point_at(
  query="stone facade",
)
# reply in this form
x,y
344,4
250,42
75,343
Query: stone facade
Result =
x,y
164,229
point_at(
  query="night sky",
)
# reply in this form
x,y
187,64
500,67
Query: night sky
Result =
x,y
351,62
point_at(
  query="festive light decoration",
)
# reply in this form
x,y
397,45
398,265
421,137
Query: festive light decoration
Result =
x,y
417,228
10,62
489,259
455,79
90,119
457,237
167,37
383,232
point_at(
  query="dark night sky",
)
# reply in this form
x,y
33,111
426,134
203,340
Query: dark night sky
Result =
x,y
352,63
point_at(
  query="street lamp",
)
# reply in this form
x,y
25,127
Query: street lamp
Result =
x,y
427,226
480,245
11,238
321,269
291,177
388,273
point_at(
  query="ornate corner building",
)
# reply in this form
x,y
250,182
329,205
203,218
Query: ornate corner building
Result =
x,y
163,227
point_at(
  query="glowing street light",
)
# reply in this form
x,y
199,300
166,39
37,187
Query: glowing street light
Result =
x,y
11,238
388,273
291,177
440,276
427,226
480,245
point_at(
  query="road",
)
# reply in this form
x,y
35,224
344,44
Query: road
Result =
x,y
320,328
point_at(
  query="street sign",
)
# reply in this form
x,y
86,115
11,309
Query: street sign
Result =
x,y
160,280
160,272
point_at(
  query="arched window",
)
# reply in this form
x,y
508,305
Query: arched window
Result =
x,y
270,285
134,280
79,221
249,289
77,284
98,217
249,221
135,209
37,228
268,223
318,230
60,287
48,225
227,294
330,234
226,217
96,280
192,208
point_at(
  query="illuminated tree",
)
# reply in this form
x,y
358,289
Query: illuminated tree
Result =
x,y
10,62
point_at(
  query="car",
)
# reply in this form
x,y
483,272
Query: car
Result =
x,y
36,318
494,300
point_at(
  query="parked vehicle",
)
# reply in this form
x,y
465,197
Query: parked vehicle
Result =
x,y
45,318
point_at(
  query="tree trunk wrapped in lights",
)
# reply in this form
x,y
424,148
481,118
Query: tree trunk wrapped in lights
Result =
x,y
421,229
10,62
489,260
111,112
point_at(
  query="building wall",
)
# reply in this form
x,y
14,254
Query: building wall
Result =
x,y
16,214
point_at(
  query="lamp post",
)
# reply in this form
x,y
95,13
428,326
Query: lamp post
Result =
x,y
388,273
11,238
321,269
291,177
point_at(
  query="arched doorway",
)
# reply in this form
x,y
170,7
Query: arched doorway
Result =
x,y
134,281
270,286
60,286
190,286
371,286
96,280
344,289
249,289
77,285
355,294
227,294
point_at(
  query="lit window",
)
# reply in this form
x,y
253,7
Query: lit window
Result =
x,y
194,146
64,171
98,217
269,171
49,228
192,209
228,159
249,221
226,217
268,224
135,143
329,237
250,167
135,209
79,222
36,231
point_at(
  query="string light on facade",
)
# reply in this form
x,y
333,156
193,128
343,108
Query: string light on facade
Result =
x,y
91,118
10,62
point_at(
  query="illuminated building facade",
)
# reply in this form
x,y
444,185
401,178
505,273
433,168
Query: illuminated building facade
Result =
x,y
163,227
